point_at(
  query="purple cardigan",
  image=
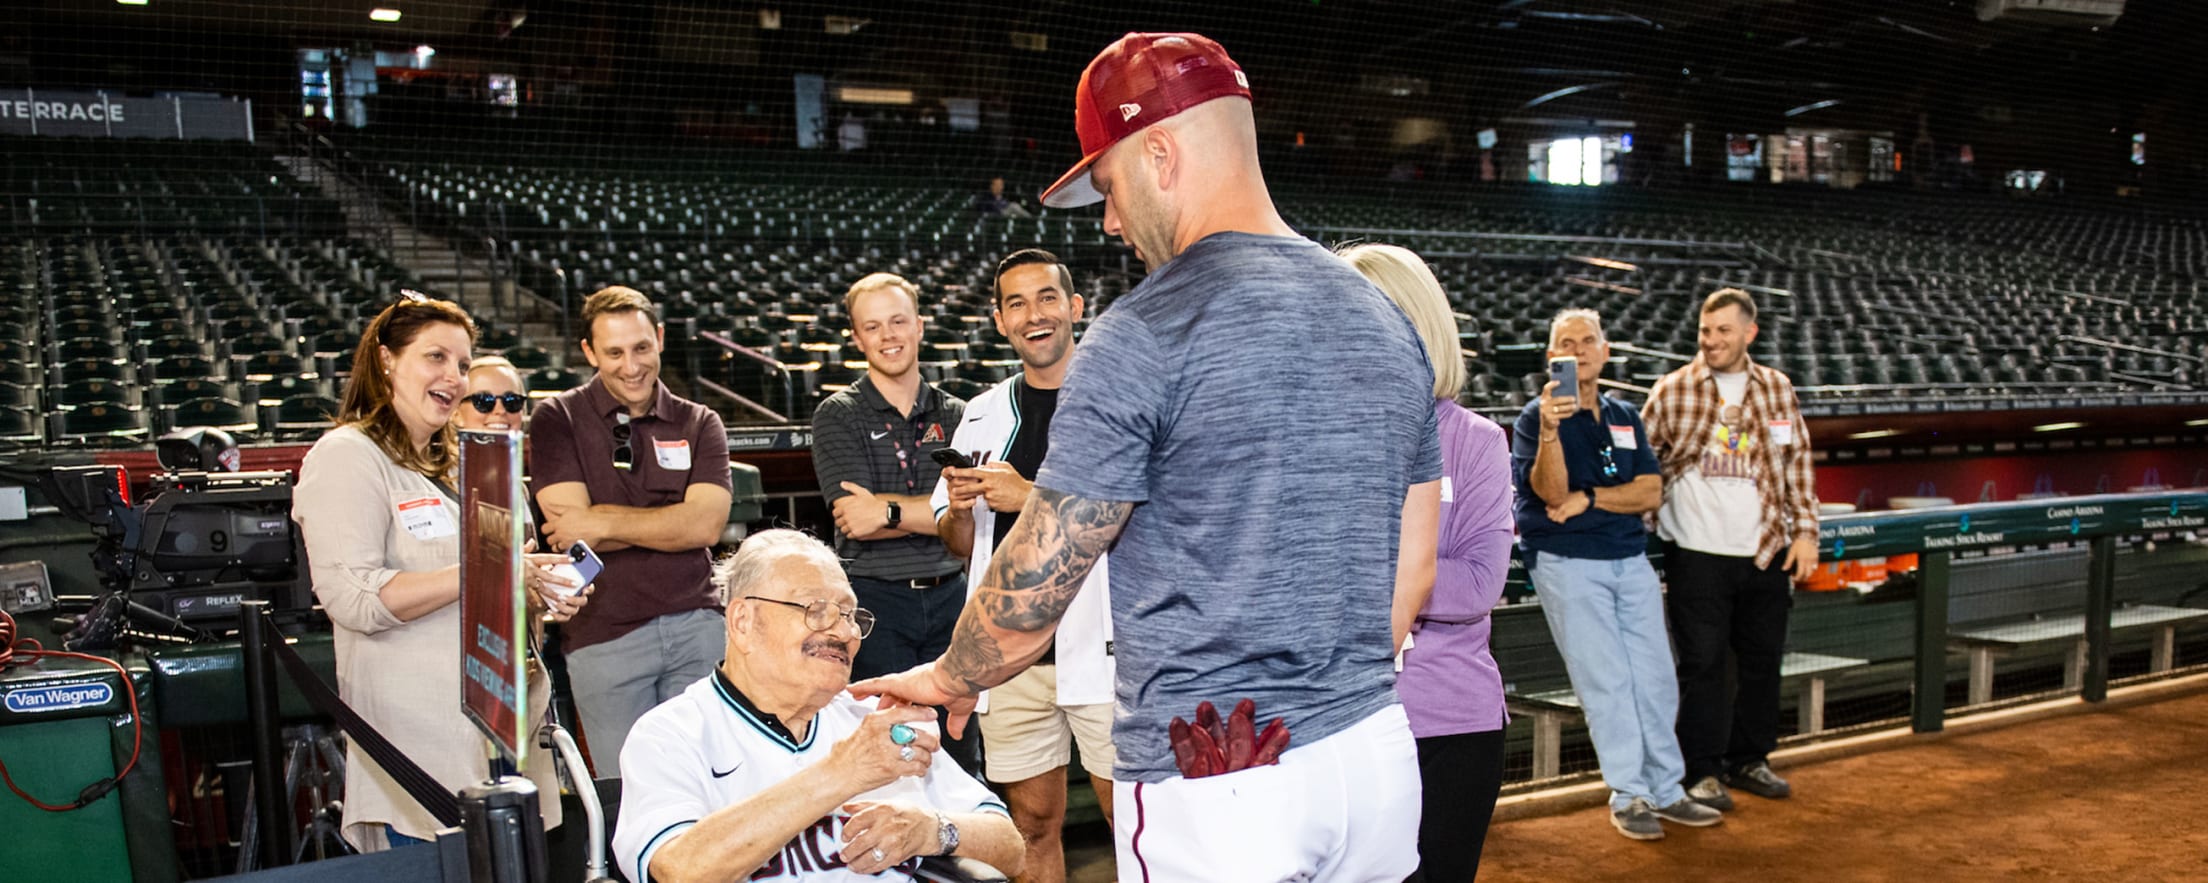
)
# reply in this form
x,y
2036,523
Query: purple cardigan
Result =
x,y
1449,682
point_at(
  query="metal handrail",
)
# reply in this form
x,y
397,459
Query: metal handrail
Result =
x,y
1645,351
1526,237
1903,387
774,367
2110,344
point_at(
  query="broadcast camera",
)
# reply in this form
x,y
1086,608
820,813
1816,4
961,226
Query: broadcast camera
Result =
x,y
205,539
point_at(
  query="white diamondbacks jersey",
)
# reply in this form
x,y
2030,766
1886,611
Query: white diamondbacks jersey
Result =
x,y
1086,675
702,751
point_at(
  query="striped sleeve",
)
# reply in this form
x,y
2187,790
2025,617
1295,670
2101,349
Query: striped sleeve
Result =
x,y
839,451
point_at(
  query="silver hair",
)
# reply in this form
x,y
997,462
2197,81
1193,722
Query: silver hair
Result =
x,y
744,572
1563,316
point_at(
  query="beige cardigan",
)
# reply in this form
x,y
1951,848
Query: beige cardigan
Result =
x,y
403,677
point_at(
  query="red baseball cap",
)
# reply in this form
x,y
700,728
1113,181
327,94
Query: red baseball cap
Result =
x,y
1139,80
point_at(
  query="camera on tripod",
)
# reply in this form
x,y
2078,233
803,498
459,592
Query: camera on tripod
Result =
x,y
205,539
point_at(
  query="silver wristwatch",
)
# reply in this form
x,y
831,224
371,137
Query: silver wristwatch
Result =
x,y
946,835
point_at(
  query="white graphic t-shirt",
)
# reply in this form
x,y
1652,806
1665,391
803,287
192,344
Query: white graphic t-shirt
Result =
x,y
1714,506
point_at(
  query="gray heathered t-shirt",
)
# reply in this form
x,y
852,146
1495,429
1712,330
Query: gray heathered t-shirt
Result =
x,y
1267,409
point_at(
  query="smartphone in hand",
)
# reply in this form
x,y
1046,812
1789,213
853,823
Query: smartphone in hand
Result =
x,y
950,459
1565,371
583,566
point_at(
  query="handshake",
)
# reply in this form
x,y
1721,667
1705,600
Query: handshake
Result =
x,y
1213,747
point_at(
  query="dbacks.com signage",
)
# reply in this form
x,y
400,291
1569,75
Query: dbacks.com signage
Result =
x,y
101,114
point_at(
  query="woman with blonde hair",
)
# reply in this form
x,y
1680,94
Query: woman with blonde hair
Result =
x,y
497,397
1449,684
377,506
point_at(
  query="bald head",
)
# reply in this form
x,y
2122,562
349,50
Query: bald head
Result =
x,y
1186,177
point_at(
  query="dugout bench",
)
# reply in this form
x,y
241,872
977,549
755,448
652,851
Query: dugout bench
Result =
x,y
1986,643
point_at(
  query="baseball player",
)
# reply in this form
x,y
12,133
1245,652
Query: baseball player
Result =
x,y
767,770
1255,519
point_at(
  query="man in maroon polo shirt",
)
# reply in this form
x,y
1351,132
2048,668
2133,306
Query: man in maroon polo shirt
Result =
x,y
641,475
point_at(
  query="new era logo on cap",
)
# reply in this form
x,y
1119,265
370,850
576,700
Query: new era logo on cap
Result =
x,y
1150,77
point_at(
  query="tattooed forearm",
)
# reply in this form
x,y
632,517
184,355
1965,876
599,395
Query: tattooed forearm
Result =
x,y
1033,577
973,654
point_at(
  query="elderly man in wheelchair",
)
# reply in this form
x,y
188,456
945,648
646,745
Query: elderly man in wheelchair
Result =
x,y
768,770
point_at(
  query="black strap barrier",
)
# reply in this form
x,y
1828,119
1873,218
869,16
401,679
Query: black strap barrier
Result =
x,y
418,784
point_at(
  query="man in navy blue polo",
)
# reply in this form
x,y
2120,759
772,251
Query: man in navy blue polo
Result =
x,y
1584,474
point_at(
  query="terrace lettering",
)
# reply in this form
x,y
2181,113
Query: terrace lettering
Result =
x,y
2172,523
95,111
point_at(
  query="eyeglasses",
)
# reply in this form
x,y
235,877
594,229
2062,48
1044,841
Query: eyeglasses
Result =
x,y
623,456
823,614
484,401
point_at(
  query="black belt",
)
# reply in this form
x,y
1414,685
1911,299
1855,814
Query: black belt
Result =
x,y
925,582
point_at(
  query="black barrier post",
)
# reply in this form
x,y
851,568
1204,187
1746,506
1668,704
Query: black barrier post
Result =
x,y
505,831
2100,605
1928,711
272,809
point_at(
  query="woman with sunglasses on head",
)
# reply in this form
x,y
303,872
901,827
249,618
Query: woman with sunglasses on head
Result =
x,y
1447,679
378,508
498,397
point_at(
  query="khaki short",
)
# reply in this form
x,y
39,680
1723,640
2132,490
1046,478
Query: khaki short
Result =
x,y
1027,733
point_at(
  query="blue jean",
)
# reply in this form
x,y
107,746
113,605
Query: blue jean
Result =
x,y
1608,621
616,681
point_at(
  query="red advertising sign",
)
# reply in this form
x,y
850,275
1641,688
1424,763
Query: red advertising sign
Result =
x,y
493,613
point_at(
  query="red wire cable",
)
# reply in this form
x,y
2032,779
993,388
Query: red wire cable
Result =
x,y
30,649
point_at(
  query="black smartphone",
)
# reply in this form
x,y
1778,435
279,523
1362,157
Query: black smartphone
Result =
x,y
950,459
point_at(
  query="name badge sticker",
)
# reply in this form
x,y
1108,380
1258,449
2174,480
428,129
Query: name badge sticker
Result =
x,y
1782,432
673,455
427,518
1621,437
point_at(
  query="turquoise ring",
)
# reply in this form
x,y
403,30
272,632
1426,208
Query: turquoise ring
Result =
x,y
902,735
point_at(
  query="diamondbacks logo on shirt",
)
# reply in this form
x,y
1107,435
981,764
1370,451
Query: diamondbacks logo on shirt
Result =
x,y
813,851
934,434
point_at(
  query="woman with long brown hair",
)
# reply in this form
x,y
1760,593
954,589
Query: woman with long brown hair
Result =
x,y
377,505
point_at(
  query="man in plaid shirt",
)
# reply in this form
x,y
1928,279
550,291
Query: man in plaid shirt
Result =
x,y
1740,505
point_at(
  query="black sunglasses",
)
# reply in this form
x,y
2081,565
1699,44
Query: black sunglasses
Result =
x,y
623,456
484,401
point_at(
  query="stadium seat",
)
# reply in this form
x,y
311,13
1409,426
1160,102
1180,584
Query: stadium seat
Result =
x,y
548,382
529,358
271,365
184,392
100,426
300,417
223,414
97,391
19,427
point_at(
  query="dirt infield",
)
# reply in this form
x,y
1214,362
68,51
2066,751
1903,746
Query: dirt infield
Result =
x,y
2115,794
